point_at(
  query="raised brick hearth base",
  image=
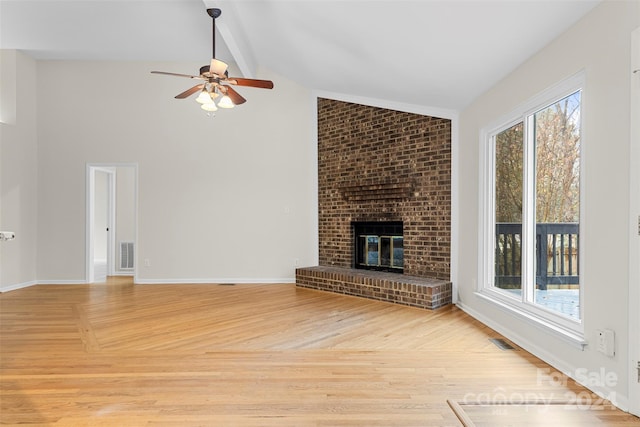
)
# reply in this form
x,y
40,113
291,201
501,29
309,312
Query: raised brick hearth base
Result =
x,y
391,287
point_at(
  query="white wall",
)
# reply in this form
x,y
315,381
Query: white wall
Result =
x,y
125,211
18,170
221,199
599,44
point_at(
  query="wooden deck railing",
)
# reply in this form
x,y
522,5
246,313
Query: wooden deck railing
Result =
x,y
556,254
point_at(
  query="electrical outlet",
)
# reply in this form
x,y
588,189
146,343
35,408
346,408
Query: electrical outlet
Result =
x,y
147,262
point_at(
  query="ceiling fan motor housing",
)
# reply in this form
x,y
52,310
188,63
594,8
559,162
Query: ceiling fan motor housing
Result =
x,y
214,12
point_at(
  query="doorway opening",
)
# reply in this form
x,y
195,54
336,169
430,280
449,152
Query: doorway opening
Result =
x,y
111,221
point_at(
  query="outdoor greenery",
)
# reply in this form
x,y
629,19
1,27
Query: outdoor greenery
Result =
x,y
557,136
509,159
557,151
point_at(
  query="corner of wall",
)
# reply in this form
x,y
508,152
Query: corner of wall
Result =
x,y
8,86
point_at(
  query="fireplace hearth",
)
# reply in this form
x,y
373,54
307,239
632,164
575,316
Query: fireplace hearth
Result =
x,y
378,246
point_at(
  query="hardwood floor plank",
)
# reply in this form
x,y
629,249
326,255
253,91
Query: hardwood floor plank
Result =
x,y
248,355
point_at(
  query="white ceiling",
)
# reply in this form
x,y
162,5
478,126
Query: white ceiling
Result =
x,y
437,53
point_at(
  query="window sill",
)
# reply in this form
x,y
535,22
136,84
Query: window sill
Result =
x,y
570,336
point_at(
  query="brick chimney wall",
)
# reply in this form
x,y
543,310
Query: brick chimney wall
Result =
x,y
376,164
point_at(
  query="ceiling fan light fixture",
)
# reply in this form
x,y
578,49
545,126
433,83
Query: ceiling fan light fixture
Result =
x,y
209,107
225,102
204,97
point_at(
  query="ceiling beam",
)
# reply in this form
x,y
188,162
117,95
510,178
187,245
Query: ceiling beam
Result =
x,y
228,25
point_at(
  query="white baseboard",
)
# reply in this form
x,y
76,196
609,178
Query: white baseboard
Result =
x,y
235,280
62,282
8,288
122,273
13,287
567,368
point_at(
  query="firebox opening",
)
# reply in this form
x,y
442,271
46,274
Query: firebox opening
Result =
x,y
378,246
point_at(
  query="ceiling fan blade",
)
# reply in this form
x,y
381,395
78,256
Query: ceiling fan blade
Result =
x,y
218,67
176,74
190,92
236,98
264,84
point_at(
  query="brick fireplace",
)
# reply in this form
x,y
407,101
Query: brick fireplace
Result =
x,y
379,165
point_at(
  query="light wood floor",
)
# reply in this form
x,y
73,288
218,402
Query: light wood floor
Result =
x,y
119,354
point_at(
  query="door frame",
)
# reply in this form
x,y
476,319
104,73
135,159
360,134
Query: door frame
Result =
x,y
111,169
634,225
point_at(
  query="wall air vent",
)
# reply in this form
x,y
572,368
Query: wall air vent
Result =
x,y
126,256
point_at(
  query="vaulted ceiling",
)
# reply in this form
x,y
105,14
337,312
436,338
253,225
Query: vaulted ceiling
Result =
x,y
438,53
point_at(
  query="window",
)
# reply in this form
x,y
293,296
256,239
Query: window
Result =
x,y
531,208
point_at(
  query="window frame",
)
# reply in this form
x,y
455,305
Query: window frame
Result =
x,y
569,329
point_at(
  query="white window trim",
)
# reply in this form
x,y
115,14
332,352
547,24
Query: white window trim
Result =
x,y
568,329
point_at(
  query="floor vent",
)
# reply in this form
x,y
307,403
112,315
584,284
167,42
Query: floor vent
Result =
x,y
126,255
502,344
226,284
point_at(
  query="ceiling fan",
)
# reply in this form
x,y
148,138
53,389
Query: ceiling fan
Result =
x,y
216,80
